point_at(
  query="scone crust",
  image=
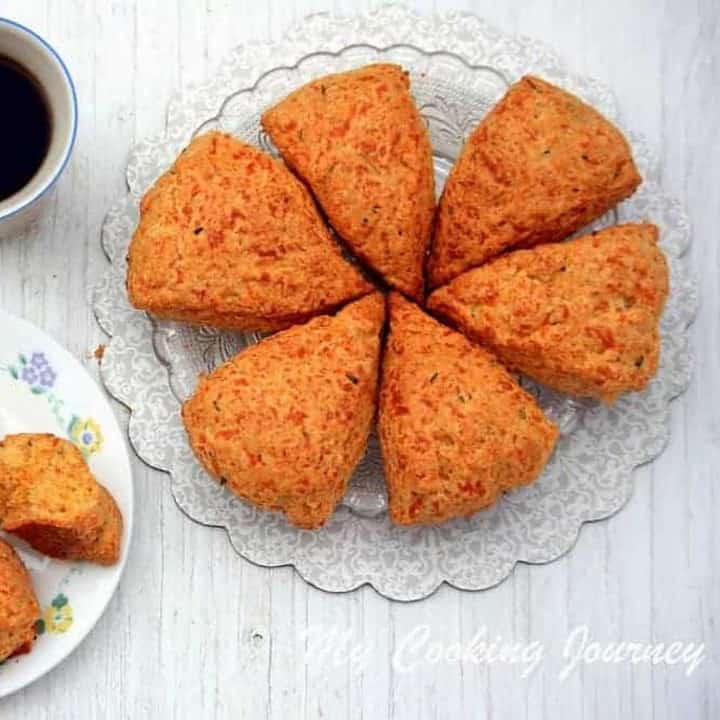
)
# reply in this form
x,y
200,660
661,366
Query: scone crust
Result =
x,y
19,607
106,548
580,316
541,165
286,421
228,237
359,142
456,428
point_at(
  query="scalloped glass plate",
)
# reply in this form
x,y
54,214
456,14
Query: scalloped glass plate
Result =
x,y
459,68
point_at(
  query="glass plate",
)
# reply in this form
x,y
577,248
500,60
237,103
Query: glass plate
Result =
x,y
459,67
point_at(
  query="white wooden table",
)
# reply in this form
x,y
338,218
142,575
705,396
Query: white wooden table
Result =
x,y
197,632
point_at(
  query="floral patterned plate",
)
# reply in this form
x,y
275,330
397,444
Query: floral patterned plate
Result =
x,y
44,389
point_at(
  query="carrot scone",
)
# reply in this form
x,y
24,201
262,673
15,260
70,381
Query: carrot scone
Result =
x,y
456,429
286,421
19,609
359,142
105,550
541,165
53,502
580,316
229,237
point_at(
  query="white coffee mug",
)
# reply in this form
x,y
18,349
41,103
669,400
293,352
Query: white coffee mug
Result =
x,y
29,50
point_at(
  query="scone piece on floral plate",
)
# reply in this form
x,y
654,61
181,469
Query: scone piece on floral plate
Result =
x,y
456,429
581,316
19,607
284,423
51,499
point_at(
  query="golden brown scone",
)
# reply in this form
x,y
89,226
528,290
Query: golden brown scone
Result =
x,y
286,421
456,429
229,237
105,550
6,485
580,316
19,607
358,140
53,501
541,165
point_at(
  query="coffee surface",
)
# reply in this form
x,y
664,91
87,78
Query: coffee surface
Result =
x,y
25,126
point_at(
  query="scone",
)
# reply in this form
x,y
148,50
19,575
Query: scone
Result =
x,y
105,550
19,607
581,316
229,237
53,502
285,422
359,142
541,165
456,429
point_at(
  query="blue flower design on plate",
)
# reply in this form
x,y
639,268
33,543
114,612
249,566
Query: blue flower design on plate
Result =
x,y
47,377
39,361
35,371
29,375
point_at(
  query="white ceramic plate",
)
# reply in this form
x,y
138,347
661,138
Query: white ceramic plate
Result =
x,y
44,389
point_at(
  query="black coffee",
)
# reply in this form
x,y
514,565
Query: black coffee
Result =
x,y
24,126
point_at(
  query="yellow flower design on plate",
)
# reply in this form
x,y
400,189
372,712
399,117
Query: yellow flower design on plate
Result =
x,y
86,434
57,617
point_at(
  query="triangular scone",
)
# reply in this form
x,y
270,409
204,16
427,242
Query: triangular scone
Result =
x,y
456,428
358,140
286,421
541,165
229,237
52,501
580,316
19,609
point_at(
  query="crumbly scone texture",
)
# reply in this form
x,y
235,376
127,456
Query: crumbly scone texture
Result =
x,y
53,502
106,548
285,422
359,142
19,607
229,237
541,165
456,429
580,316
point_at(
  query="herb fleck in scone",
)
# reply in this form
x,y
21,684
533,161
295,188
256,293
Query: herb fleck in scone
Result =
x,y
580,316
19,607
229,237
541,165
456,429
285,422
359,142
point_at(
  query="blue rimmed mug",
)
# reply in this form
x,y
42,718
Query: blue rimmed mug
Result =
x,y
29,50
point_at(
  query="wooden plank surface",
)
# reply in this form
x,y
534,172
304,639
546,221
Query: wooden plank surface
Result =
x,y
195,631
